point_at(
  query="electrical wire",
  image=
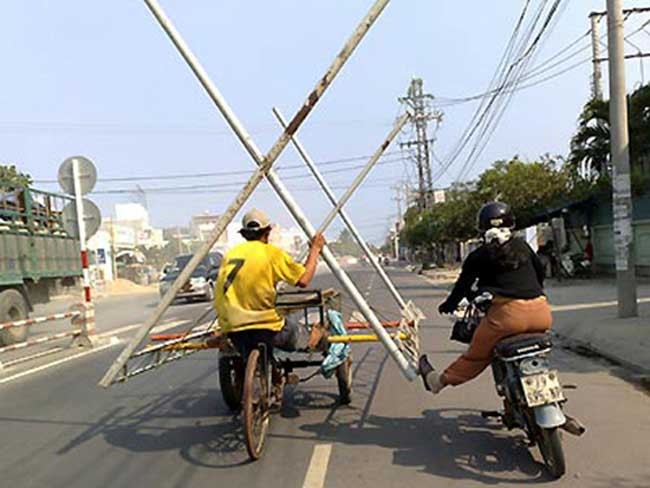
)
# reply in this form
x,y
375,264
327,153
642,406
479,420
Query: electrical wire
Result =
x,y
508,76
237,172
520,66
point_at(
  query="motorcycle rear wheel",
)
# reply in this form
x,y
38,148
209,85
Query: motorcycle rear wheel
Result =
x,y
550,446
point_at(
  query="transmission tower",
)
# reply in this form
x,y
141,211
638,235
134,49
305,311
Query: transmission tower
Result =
x,y
421,106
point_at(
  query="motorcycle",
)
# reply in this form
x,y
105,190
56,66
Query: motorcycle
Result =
x,y
533,397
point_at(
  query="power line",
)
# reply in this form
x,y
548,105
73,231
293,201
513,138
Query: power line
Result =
x,y
230,188
180,176
508,77
522,61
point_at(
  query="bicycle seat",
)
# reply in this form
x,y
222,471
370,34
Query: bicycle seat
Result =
x,y
522,344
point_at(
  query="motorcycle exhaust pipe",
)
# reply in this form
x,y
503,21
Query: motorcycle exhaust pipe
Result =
x,y
573,426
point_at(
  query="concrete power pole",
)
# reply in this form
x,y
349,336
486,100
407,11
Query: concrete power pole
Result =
x,y
620,156
420,103
398,221
597,78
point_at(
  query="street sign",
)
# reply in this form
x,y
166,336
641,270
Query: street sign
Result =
x,y
91,218
87,175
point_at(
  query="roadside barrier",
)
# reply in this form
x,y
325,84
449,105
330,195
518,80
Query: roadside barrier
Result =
x,y
82,318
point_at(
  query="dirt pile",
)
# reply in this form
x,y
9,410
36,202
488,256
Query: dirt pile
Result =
x,y
122,287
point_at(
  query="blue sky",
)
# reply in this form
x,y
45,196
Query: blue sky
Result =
x,y
101,79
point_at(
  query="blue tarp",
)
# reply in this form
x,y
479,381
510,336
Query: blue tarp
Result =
x,y
338,352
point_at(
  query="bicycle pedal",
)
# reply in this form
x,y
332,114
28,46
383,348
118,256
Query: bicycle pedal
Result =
x,y
293,379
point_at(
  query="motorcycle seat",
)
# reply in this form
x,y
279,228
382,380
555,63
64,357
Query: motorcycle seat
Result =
x,y
522,344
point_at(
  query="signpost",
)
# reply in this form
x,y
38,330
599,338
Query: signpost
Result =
x,y
77,176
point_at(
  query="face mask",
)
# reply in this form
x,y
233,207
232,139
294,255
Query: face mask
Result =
x,y
499,234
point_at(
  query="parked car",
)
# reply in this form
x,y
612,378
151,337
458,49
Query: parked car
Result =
x,y
201,283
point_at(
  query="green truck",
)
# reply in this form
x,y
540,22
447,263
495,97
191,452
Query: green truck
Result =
x,y
38,258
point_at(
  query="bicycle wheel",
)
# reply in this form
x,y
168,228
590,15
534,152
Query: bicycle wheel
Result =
x,y
255,401
231,380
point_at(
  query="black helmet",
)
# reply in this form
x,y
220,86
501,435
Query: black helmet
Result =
x,y
495,214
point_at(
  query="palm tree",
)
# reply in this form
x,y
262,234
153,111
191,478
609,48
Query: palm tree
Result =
x,y
590,146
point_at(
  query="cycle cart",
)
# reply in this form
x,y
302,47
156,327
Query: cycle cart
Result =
x,y
248,387
254,387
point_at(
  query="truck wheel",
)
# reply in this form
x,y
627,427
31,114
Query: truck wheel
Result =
x,y
12,307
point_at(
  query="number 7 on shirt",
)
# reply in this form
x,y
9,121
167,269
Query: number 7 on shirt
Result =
x,y
237,265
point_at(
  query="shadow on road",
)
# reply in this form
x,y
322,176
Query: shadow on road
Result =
x,y
455,444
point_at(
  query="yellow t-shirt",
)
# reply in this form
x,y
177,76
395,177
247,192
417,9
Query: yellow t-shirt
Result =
x,y
245,291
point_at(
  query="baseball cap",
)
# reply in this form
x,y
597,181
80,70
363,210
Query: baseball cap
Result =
x,y
255,219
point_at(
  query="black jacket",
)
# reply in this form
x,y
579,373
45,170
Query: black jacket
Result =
x,y
524,282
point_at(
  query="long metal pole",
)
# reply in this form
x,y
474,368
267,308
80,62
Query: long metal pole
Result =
x,y
363,173
620,156
597,79
291,129
308,105
342,213
264,163
408,369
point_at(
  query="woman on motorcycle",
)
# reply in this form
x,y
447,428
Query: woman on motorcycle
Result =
x,y
510,270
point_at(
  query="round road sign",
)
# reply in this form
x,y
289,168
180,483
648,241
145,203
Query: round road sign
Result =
x,y
87,175
92,218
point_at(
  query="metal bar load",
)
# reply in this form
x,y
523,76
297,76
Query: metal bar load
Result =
x,y
365,171
264,163
342,213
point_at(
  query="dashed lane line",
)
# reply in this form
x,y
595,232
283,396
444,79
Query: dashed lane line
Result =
x,y
317,470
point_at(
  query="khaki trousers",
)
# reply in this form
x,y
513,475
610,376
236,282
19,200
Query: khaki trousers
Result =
x,y
506,317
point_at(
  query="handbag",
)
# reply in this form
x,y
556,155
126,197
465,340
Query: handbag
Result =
x,y
463,329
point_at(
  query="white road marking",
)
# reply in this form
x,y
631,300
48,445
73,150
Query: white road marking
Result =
x,y
60,361
567,308
317,470
585,306
127,328
112,335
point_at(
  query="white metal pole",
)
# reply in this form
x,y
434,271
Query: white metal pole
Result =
x,y
264,163
220,102
343,214
622,195
396,241
364,172
76,179
597,80
408,369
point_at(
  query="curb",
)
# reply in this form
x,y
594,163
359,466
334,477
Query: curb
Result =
x,y
634,367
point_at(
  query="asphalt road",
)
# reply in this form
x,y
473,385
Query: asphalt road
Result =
x,y
170,428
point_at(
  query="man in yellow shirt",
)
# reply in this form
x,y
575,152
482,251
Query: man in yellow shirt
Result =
x,y
245,291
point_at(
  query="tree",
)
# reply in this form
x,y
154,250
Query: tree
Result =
x,y
590,146
345,245
529,187
10,174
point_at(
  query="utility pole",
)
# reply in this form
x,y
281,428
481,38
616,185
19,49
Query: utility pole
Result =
x,y
180,241
113,260
398,223
597,78
620,156
420,104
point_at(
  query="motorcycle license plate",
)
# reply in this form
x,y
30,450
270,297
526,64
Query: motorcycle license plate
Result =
x,y
542,388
